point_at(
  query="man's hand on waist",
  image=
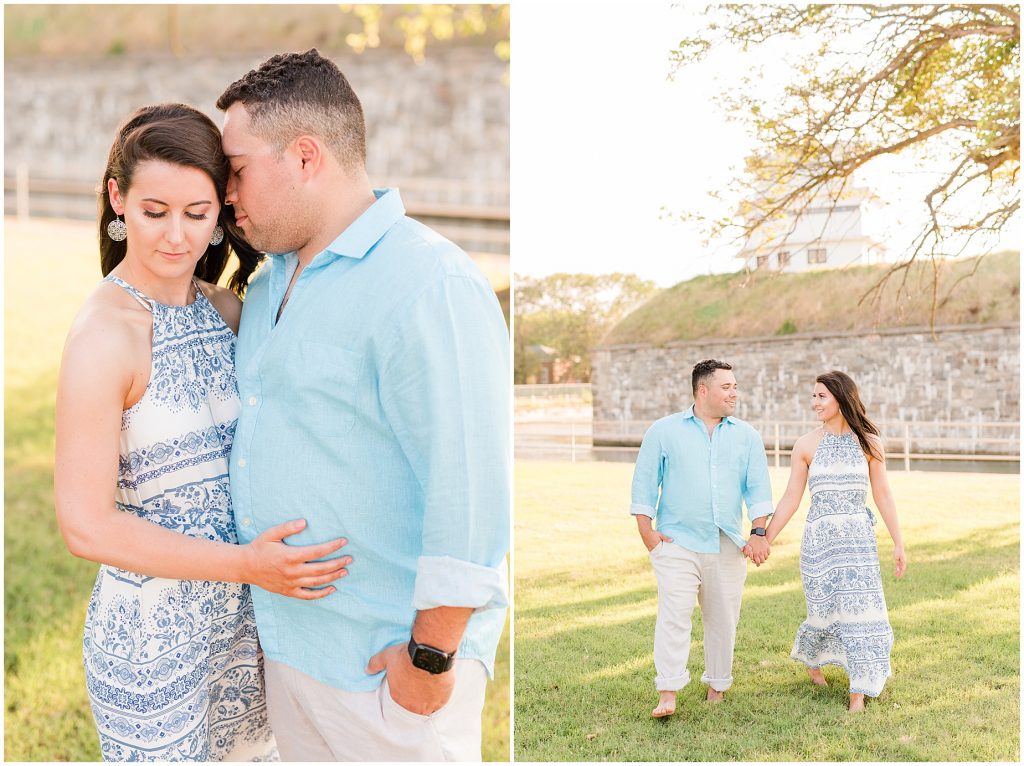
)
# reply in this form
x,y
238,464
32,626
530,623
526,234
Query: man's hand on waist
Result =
x,y
416,690
419,690
648,534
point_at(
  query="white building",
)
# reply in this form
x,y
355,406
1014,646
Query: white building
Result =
x,y
824,235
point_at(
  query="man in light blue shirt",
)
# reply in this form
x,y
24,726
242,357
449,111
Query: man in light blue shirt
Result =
x,y
694,472
372,365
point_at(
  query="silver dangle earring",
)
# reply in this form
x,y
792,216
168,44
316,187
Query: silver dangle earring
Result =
x,y
218,235
117,231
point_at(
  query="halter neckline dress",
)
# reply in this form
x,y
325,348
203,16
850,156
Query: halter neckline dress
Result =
x,y
847,621
173,667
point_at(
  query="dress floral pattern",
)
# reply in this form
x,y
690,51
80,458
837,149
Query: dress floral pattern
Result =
x,y
173,667
847,622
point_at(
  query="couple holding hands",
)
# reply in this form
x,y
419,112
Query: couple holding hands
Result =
x,y
695,470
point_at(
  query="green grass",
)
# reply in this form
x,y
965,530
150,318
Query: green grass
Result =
x,y
769,303
586,600
49,269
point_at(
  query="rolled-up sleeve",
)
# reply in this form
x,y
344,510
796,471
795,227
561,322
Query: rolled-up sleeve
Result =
x,y
757,487
444,387
647,475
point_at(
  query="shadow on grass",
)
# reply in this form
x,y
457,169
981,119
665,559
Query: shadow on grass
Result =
x,y
962,564
584,685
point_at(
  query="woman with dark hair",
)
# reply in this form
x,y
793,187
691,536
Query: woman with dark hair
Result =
x,y
847,622
146,411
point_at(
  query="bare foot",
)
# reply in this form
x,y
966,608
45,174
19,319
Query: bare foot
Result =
x,y
856,703
714,697
817,676
666,705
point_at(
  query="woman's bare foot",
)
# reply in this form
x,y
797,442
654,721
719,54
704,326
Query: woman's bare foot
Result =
x,y
817,676
856,703
666,705
715,696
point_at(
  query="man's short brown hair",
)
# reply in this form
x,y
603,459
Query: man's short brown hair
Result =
x,y
705,370
296,94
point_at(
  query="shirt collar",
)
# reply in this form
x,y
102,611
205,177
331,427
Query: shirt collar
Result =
x,y
727,419
366,231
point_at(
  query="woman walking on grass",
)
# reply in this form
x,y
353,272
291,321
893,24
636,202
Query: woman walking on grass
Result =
x,y
847,622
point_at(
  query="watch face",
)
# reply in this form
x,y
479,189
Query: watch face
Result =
x,y
432,662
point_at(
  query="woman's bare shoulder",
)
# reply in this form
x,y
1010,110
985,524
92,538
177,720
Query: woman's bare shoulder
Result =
x,y
808,443
111,327
228,305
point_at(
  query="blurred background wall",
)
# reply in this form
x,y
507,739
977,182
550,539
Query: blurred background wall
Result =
x,y
433,81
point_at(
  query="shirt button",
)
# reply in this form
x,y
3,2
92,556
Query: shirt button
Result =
x,y
241,462
246,522
252,401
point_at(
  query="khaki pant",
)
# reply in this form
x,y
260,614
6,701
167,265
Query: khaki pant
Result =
x,y
316,722
684,578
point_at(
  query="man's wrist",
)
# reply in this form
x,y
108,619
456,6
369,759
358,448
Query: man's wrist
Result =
x,y
430,659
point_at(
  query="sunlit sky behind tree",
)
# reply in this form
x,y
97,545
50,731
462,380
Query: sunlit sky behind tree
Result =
x,y
603,144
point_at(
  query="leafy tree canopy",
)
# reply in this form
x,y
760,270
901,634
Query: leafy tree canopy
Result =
x,y
570,313
941,81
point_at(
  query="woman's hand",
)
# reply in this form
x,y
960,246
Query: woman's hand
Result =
x,y
290,570
900,557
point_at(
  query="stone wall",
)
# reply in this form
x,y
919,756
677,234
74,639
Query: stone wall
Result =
x,y
968,375
447,118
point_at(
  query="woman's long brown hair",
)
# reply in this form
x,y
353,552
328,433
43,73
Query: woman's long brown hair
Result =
x,y
842,387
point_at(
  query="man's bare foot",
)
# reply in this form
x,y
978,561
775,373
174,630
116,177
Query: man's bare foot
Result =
x,y
817,676
714,696
666,705
856,703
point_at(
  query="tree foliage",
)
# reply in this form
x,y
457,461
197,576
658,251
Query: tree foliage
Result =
x,y
419,25
570,313
940,81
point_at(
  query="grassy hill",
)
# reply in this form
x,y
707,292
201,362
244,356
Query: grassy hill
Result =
x,y
759,304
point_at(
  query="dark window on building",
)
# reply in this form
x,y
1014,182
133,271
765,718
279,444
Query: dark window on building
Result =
x,y
762,261
783,258
817,255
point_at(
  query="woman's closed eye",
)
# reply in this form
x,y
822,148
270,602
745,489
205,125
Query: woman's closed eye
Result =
x,y
193,216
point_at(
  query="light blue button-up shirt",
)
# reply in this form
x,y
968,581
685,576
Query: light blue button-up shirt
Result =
x,y
694,485
377,409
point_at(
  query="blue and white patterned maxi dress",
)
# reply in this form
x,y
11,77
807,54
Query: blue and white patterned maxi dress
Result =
x,y
173,667
847,622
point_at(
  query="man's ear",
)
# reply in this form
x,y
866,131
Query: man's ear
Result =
x,y
310,154
115,196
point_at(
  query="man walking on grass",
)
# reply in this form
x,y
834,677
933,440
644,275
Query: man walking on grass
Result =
x,y
693,474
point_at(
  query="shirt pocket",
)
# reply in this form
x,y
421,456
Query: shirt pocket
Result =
x,y
327,382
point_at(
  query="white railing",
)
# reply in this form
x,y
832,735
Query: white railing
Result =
x,y
554,394
904,442
475,215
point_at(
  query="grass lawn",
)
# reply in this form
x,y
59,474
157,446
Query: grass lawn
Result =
x,y
49,269
585,608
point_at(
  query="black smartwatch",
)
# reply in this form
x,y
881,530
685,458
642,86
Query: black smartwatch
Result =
x,y
759,531
430,658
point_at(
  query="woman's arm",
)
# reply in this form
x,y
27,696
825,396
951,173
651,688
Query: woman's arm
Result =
x,y
886,505
102,360
799,462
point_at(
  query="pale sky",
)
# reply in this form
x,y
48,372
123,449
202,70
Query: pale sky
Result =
x,y
601,142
